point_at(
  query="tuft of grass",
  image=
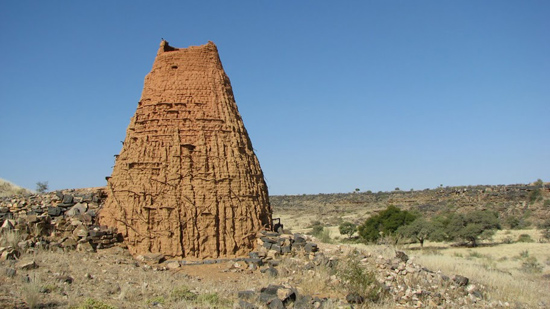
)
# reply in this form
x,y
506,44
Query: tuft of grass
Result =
x,y
10,238
359,280
31,294
91,303
475,254
182,293
155,301
531,265
525,238
212,300
524,254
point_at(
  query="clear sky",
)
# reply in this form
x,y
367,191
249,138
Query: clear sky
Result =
x,y
335,95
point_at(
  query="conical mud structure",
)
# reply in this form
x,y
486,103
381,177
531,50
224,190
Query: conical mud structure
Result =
x,y
187,183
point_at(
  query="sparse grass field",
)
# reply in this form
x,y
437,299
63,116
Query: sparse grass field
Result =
x,y
516,272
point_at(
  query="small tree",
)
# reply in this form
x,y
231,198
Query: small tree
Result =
x,y
420,230
544,228
347,228
386,223
479,224
41,186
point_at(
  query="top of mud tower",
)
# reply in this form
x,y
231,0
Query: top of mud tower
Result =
x,y
187,182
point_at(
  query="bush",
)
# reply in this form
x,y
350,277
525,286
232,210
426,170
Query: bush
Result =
x,y
525,238
324,236
385,223
91,303
182,293
358,280
535,195
471,227
41,186
212,300
317,230
531,265
347,228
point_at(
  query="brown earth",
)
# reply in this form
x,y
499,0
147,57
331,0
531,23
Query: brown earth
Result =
x,y
187,182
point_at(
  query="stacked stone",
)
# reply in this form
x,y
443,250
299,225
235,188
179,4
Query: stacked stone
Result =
x,y
62,219
272,245
433,289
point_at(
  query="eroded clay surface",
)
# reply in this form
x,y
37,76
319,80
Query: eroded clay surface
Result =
x,y
187,182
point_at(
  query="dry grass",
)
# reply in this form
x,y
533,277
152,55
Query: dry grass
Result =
x,y
500,268
9,189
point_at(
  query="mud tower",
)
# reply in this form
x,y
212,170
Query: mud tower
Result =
x,y
187,183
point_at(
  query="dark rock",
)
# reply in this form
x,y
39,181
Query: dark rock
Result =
x,y
276,248
272,272
65,279
59,194
254,261
269,293
246,305
354,298
68,200
246,295
461,280
477,294
303,302
309,266
311,247
299,239
254,255
402,256
96,233
286,249
54,211
273,263
267,245
276,304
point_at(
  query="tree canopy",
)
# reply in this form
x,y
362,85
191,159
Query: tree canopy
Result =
x,y
385,223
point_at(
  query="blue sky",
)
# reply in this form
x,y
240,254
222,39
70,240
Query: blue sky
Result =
x,y
335,95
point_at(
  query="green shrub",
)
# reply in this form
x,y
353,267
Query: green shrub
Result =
x,y
524,254
212,300
347,228
531,265
385,223
91,303
182,293
525,238
317,230
357,279
159,300
324,236
535,195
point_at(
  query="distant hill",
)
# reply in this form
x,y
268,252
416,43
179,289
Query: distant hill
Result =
x,y
521,201
8,189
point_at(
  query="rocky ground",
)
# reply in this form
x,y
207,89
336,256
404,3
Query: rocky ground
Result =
x,y
333,277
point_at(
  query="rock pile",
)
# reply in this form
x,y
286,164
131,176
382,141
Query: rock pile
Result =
x,y
187,183
62,219
412,285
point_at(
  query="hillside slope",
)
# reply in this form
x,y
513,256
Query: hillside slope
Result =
x,y
8,189
530,202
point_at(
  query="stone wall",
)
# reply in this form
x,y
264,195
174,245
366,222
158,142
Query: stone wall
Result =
x,y
63,219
